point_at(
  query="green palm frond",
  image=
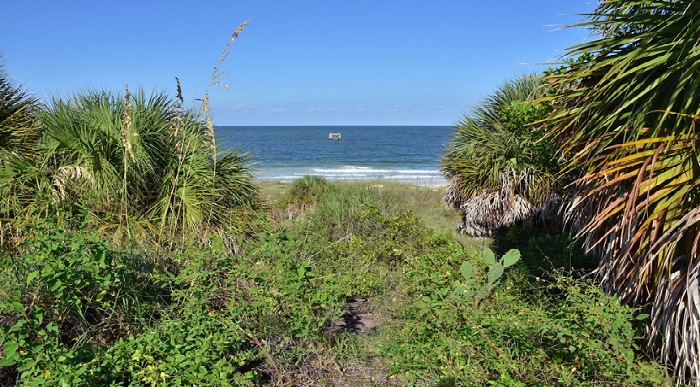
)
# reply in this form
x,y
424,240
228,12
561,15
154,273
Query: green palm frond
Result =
x,y
625,120
81,133
653,67
500,171
19,132
160,170
235,181
188,185
21,178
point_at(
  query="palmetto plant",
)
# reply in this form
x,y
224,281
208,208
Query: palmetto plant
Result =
x,y
144,162
19,136
626,123
21,174
18,129
499,170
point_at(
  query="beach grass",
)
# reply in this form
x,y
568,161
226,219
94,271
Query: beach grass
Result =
x,y
359,284
425,202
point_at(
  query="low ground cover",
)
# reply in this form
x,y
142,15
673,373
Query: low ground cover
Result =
x,y
338,284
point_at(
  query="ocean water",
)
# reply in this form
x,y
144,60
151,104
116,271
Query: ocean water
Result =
x,y
408,154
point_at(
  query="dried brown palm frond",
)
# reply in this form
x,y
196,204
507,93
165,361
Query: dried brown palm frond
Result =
x,y
639,209
66,174
637,162
490,210
453,196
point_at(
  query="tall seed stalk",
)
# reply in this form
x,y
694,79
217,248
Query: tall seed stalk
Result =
x,y
127,153
206,109
215,75
178,132
176,128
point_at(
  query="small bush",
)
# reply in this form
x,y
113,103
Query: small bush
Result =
x,y
195,348
306,190
68,292
564,332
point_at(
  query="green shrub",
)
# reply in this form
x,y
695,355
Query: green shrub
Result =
x,y
543,252
561,332
499,169
265,314
479,288
592,339
194,349
343,211
306,191
67,293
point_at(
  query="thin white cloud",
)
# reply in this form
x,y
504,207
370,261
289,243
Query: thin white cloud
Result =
x,y
242,107
399,108
441,108
322,109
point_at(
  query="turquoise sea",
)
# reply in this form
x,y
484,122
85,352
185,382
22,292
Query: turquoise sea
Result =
x,y
409,154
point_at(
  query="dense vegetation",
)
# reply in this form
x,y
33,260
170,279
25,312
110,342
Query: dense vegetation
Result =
x,y
133,253
623,112
627,130
500,171
355,289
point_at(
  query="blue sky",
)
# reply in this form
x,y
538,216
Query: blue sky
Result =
x,y
304,62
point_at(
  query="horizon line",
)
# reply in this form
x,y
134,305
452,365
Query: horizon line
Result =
x,y
326,125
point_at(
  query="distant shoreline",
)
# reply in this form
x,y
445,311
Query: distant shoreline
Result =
x,y
406,174
373,182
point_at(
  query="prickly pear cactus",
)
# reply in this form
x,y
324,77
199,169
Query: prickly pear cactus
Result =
x,y
480,288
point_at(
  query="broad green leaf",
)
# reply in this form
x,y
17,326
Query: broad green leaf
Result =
x,y
511,257
489,257
495,273
31,276
10,350
467,271
56,285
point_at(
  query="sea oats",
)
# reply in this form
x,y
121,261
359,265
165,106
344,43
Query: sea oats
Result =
x,y
216,74
126,126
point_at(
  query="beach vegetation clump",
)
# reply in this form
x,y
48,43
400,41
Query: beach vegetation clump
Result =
x,y
384,305
625,121
142,164
303,193
500,170
20,172
140,256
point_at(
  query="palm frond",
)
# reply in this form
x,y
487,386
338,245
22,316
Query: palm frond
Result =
x,y
163,163
625,120
496,159
19,133
490,210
